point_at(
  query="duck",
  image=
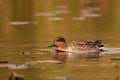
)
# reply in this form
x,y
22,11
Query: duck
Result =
x,y
77,46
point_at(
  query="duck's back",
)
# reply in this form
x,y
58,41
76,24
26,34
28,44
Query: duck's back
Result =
x,y
86,46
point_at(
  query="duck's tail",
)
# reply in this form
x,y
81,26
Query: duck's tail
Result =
x,y
99,43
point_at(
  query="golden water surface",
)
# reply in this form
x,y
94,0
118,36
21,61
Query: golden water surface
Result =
x,y
31,25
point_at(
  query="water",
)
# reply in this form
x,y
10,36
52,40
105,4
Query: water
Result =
x,y
27,30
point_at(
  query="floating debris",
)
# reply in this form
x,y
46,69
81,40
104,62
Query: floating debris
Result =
x,y
26,53
50,61
59,78
56,18
78,18
24,66
22,53
90,12
14,66
92,15
19,22
61,11
44,61
16,76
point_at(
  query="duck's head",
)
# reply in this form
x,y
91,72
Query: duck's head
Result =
x,y
59,42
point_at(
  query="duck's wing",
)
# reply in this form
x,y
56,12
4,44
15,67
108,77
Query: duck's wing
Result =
x,y
85,45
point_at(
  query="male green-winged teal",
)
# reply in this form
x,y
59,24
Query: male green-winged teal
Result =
x,y
77,46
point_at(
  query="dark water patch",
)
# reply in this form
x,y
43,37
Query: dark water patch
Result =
x,y
114,58
97,65
3,61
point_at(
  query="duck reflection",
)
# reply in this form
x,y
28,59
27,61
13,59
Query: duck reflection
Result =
x,y
88,55
60,56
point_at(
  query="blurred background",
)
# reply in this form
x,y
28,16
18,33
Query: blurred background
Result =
x,y
31,22
31,25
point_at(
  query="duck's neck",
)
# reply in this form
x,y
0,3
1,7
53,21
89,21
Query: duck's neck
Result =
x,y
62,46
